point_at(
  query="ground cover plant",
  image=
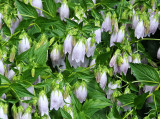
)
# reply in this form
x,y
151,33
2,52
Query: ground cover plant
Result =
x,y
79,59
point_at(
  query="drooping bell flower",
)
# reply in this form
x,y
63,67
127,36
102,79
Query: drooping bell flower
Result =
x,y
38,4
20,112
56,100
85,63
14,25
94,1
154,22
78,53
2,114
132,2
90,47
93,63
158,54
81,92
2,70
27,114
121,34
107,23
67,101
64,10
98,32
135,19
73,63
67,46
55,55
140,30
14,111
23,44
124,65
43,104
113,39
103,80
136,58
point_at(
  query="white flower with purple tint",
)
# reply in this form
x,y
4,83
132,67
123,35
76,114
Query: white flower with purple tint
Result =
x,y
23,45
158,54
154,22
98,35
56,100
121,34
55,57
67,47
113,39
90,48
64,11
103,80
2,70
78,53
81,93
140,30
107,23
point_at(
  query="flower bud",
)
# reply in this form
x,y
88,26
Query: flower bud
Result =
x,y
43,103
67,47
12,55
78,53
158,54
140,30
81,92
127,90
56,100
33,72
64,11
14,111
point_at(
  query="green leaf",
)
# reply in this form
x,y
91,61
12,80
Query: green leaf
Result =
x,y
156,97
127,99
91,106
23,25
6,30
26,10
76,102
83,4
4,89
4,80
114,114
20,91
145,74
41,54
50,8
65,114
139,100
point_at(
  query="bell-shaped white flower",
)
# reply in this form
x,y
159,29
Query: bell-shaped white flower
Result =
x,y
136,59
154,22
124,66
55,57
20,112
67,47
94,1
132,2
98,35
81,93
135,19
73,63
3,96
38,80
38,4
113,38
78,53
27,114
23,45
14,25
121,34
140,30
62,66
85,63
158,54
90,48
43,104
103,80
2,70
2,114
64,11
1,20
10,74
67,101
113,60
56,100
107,23
93,63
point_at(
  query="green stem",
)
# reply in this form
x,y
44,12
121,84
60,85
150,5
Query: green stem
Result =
x,y
128,114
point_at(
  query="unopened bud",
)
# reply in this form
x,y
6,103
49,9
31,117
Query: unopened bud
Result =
x,y
12,55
